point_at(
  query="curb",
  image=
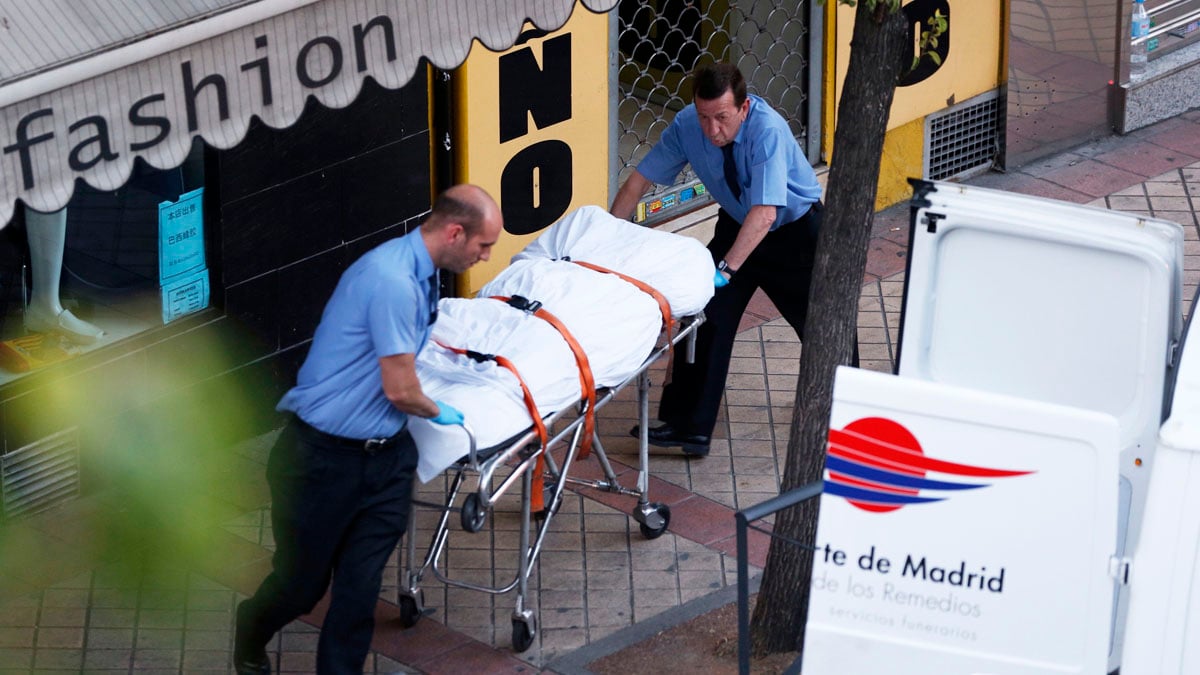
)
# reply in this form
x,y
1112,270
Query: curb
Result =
x,y
576,662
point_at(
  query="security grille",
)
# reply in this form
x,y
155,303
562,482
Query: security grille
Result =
x,y
964,138
40,475
662,41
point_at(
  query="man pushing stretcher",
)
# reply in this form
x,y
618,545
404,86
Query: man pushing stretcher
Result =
x,y
766,234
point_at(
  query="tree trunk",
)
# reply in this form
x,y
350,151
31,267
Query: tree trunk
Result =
x,y
878,54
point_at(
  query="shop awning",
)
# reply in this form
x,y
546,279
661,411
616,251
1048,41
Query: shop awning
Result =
x,y
86,86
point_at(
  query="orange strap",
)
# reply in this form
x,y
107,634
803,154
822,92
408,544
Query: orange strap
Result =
x,y
663,305
536,499
503,362
587,384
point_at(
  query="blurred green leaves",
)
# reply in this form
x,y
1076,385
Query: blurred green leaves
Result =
x,y
159,472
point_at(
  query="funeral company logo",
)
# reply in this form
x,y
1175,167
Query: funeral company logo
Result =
x,y
877,465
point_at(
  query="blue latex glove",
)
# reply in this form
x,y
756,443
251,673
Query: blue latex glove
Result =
x,y
719,280
447,414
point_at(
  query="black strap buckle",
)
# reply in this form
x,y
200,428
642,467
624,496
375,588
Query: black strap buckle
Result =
x,y
524,304
374,445
480,357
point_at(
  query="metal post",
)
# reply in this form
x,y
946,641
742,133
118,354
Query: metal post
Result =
x,y
743,594
643,481
743,519
816,66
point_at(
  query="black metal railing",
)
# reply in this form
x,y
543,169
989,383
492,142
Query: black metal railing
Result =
x,y
744,519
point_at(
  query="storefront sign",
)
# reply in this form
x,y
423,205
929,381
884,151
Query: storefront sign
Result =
x,y
207,79
534,123
961,532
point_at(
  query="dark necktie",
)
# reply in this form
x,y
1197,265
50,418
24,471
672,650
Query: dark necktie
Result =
x,y
731,177
433,297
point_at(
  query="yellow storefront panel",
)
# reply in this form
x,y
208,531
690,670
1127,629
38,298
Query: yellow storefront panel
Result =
x,y
531,127
972,67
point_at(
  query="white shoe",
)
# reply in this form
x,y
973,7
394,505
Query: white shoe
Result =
x,y
66,324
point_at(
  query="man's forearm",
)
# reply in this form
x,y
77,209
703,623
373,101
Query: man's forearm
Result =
x,y
403,389
754,229
627,197
416,404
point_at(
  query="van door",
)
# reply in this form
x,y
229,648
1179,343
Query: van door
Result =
x,y
1049,301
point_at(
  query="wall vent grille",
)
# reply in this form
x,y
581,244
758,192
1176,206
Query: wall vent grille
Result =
x,y
964,138
40,475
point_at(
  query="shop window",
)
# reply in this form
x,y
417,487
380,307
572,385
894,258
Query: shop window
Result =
x,y
109,266
1174,24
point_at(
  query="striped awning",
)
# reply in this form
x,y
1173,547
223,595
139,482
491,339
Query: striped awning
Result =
x,y
86,86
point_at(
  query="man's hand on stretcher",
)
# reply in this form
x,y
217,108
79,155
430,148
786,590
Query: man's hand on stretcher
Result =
x,y
403,389
447,414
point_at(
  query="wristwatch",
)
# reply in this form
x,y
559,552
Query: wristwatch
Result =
x,y
724,267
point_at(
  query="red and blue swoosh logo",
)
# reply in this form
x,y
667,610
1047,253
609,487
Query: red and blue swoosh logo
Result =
x,y
878,465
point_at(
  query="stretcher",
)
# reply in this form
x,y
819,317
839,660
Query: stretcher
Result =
x,y
486,354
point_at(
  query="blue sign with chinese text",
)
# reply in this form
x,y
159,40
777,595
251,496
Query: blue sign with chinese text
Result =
x,y
182,268
181,235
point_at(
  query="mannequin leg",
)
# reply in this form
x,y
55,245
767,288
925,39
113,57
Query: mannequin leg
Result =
x,y
47,234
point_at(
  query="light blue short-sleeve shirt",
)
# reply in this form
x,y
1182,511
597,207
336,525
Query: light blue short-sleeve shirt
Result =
x,y
382,306
772,169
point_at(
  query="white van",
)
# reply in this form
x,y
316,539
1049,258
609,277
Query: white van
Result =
x,y
1027,475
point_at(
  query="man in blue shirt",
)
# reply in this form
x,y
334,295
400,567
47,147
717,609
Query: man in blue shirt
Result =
x,y
765,235
341,471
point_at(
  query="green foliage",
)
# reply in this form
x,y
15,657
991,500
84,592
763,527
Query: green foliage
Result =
x,y
162,478
937,25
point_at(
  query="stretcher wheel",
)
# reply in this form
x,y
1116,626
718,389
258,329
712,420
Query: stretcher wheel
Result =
x,y
473,515
411,608
523,633
659,520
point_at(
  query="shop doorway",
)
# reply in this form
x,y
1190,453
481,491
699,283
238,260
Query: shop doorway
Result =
x,y
775,43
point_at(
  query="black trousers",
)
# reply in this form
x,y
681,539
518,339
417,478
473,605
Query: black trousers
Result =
x,y
336,512
782,266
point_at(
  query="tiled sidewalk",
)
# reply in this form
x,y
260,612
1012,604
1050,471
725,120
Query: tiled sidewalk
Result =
x,y
597,574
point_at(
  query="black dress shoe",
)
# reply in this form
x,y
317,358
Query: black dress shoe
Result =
x,y
248,659
257,664
666,436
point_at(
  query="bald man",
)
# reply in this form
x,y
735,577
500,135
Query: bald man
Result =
x,y
341,471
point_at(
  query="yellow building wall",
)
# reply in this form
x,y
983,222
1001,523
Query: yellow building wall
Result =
x,y
481,157
902,159
974,65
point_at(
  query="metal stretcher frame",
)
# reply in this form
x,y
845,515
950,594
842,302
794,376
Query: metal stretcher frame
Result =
x,y
521,456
